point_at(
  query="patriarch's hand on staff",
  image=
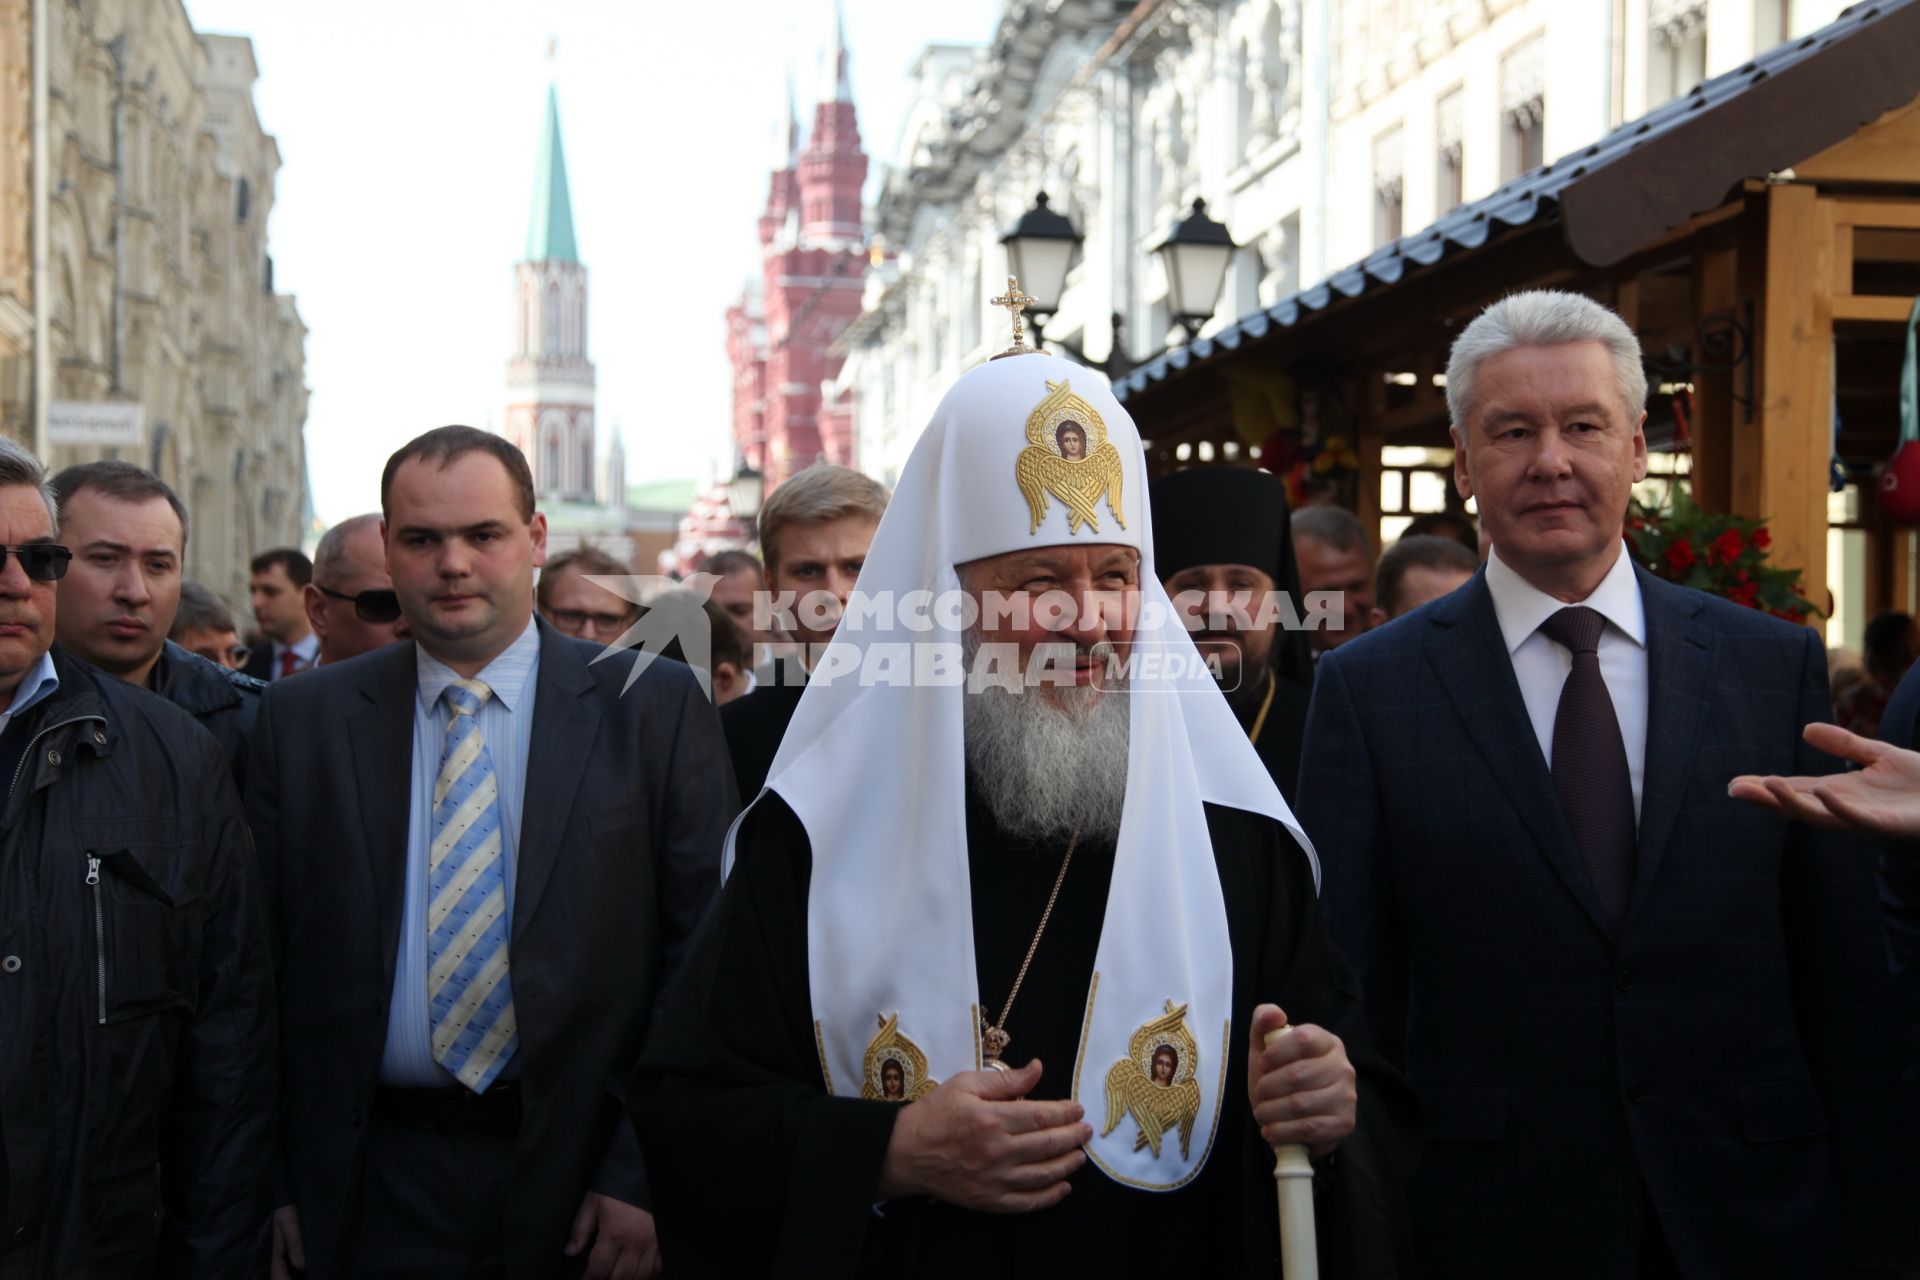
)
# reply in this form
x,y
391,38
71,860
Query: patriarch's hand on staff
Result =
x,y
1302,1087
976,1142
289,1255
1881,799
625,1246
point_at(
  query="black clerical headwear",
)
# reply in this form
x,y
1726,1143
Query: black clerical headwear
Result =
x,y
1232,515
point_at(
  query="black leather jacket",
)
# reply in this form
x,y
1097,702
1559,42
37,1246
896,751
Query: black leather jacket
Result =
x,y
223,701
136,1001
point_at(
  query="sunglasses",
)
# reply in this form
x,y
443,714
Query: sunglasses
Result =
x,y
381,605
41,561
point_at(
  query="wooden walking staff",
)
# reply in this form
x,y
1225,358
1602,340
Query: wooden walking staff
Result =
x,y
1293,1181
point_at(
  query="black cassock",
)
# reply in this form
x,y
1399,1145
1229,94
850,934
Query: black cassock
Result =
x,y
756,1169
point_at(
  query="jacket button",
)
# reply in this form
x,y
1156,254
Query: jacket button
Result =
x,y
100,737
1623,981
1636,1092
53,757
11,964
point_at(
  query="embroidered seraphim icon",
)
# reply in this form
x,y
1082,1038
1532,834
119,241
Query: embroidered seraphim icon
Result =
x,y
1155,1082
1069,456
895,1068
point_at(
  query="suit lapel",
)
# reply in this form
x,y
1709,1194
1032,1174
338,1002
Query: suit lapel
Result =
x,y
1469,655
566,721
380,727
1679,661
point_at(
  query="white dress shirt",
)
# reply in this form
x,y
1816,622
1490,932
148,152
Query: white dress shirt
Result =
x,y
506,725
306,652
1541,665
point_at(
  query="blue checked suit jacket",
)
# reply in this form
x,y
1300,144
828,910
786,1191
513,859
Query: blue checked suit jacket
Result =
x,y
1726,1059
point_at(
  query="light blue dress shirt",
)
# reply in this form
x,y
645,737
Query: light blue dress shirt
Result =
x,y
506,722
39,684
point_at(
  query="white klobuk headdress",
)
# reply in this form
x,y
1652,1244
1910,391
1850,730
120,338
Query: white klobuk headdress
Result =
x,y
874,765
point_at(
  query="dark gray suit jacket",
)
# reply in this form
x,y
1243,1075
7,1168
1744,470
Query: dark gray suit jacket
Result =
x,y
628,797
1725,1059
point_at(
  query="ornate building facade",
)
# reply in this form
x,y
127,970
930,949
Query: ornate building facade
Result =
x,y
158,281
549,378
781,335
1316,130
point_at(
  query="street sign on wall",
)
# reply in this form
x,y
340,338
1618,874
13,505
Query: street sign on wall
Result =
x,y
79,422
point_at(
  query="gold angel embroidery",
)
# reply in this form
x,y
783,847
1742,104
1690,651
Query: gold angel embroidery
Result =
x,y
1155,1082
1069,456
895,1069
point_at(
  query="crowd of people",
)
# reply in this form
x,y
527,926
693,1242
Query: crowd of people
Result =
x,y
476,917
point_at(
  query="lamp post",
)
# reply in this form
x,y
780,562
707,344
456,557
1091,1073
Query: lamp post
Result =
x,y
1195,254
1041,249
1044,245
745,492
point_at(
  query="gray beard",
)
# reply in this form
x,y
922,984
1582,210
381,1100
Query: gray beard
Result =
x,y
1045,770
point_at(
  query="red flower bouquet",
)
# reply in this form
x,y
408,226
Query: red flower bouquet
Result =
x,y
1724,554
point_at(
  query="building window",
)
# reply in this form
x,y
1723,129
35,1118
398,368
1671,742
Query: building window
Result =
x,y
1389,187
1523,109
1677,48
1450,159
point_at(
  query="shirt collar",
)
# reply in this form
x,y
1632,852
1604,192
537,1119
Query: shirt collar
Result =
x,y
39,684
306,648
1521,607
507,675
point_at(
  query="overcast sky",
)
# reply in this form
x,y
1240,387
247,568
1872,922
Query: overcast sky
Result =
x,y
408,133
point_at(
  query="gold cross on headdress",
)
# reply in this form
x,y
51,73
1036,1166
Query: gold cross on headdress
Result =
x,y
1015,302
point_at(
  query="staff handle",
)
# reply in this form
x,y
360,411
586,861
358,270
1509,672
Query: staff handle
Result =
x,y
1293,1182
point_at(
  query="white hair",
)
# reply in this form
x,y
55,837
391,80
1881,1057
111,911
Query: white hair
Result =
x,y
1047,769
1543,318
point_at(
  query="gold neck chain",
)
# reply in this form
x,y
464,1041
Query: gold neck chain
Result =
x,y
1266,705
994,1039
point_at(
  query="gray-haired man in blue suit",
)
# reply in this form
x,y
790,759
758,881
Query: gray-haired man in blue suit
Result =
x,y
1648,1024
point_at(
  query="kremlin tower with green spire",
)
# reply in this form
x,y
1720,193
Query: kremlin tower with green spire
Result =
x,y
549,378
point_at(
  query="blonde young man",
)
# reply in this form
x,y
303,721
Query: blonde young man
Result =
x,y
814,533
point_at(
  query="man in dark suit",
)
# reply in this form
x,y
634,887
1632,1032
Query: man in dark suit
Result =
x,y
483,862
289,644
1647,1024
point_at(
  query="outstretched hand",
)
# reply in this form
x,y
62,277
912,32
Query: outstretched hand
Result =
x,y
978,1143
1883,798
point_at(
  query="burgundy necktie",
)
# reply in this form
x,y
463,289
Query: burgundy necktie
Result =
x,y
287,658
1590,764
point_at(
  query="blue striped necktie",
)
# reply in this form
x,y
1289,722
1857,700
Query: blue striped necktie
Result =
x,y
470,997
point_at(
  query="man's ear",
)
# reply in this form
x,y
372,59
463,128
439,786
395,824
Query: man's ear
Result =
x,y
1462,478
316,607
1376,616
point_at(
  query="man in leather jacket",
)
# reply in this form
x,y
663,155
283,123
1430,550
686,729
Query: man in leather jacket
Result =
x,y
128,533
136,1010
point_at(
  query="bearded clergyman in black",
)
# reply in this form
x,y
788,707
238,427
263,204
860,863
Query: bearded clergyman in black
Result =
x,y
1223,547
1020,867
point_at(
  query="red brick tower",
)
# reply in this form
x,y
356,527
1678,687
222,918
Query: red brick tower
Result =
x,y
814,264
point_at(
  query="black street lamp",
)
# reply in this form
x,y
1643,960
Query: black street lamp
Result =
x,y
1041,249
745,492
1195,254
1044,245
